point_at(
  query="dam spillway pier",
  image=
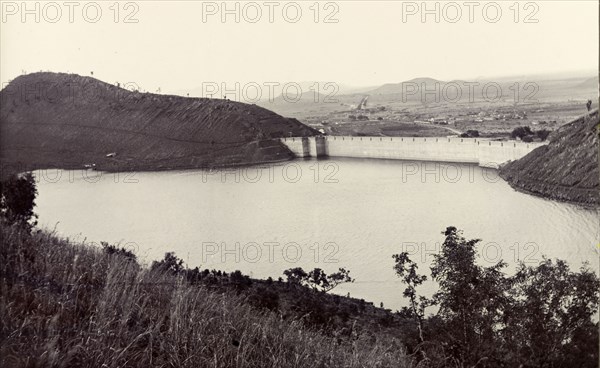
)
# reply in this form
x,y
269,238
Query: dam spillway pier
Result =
x,y
485,153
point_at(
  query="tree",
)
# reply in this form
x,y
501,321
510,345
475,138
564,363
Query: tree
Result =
x,y
317,279
543,134
17,200
471,298
550,322
521,132
543,316
527,139
470,134
115,250
295,276
239,280
473,133
171,263
407,270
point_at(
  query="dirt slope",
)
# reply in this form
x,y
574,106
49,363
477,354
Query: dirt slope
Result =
x,y
66,121
566,169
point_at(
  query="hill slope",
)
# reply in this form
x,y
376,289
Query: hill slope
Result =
x,y
66,304
566,169
66,121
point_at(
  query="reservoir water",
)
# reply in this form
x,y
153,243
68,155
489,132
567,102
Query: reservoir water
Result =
x,y
330,213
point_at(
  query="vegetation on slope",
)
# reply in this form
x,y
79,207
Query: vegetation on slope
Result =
x,y
566,169
66,305
66,121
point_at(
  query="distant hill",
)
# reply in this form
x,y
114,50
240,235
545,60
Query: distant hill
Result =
x,y
397,88
425,80
589,83
304,97
56,120
566,169
323,87
309,102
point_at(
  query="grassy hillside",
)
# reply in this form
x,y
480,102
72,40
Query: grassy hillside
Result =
x,y
566,169
66,121
67,305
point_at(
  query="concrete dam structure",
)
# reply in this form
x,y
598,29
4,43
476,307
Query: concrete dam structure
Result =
x,y
484,153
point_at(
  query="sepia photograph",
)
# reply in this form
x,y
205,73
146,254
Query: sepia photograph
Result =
x,y
309,183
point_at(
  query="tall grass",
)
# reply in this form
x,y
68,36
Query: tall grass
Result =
x,y
68,305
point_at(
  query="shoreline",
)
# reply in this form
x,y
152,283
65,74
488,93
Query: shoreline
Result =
x,y
582,205
144,169
566,169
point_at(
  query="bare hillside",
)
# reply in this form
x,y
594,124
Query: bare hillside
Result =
x,y
52,120
566,169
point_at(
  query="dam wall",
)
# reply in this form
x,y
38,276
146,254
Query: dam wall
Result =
x,y
307,146
493,153
482,152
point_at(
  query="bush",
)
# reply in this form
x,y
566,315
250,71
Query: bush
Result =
x,y
17,200
542,134
170,264
473,133
470,134
263,298
317,279
521,132
122,252
239,280
549,321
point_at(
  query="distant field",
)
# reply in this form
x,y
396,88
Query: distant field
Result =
x,y
388,128
490,120
550,105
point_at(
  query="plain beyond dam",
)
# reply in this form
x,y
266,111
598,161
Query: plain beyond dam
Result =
x,y
485,153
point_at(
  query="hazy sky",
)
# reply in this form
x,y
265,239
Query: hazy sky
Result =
x,y
180,44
